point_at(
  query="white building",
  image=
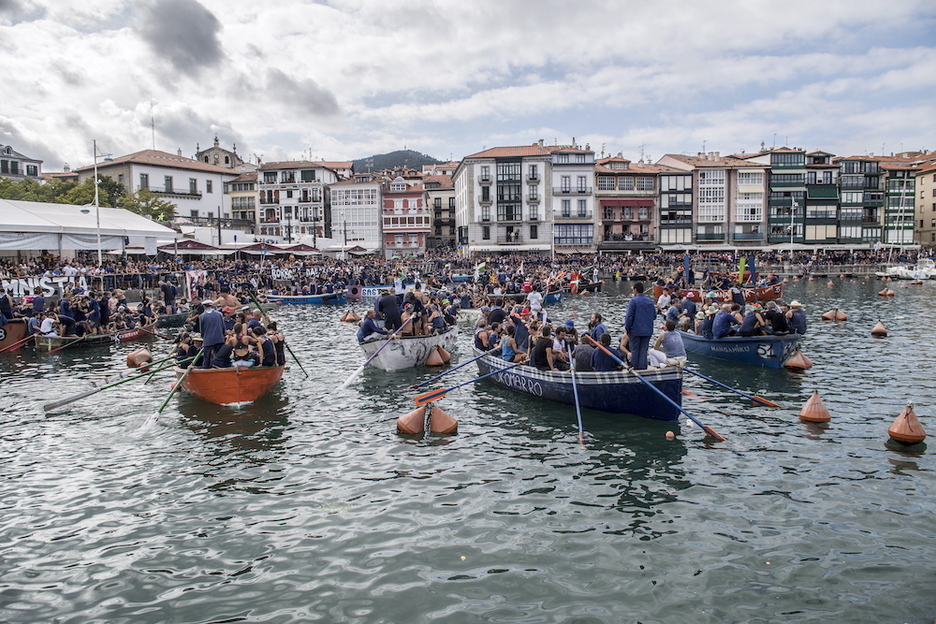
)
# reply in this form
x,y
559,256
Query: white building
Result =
x,y
293,200
196,188
357,214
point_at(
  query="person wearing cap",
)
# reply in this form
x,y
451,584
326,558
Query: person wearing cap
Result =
x,y
796,318
211,327
571,333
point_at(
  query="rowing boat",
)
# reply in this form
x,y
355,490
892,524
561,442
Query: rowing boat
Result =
x,y
554,296
337,297
227,386
171,320
51,343
407,351
14,331
617,392
751,295
766,351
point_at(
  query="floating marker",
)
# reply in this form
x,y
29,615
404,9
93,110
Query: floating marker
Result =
x,y
136,359
435,359
879,330
887,292
415,421
445,355
907,429
834,315
815,410
798,361
830,284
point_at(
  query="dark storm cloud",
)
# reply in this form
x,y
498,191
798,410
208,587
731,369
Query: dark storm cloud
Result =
x,y
9,135
183,128
17,11
184,33
304,95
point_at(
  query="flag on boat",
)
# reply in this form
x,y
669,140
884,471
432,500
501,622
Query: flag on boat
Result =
x,y
687,271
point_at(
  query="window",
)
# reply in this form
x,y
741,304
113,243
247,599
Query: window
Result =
x,y
32,170
581,184
167,183
644,183
626,183
144,181
4,166
485,173
307,175
14,167
534,232
485,193
193,214
566,185
566,208
533,172
582,208
193,186
606,183
580,158
486,232
208,186
534,213
485,213
533,192
562,159
289,194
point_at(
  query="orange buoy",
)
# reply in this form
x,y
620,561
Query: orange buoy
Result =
x,y
354,318
434,358
879,330
815,410
834,315
415,421
907,429
586,292
445,355
136,359
887,292
798,361
916,282
830,284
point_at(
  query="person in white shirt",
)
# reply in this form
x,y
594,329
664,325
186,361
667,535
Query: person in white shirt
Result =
x,y
47,327
535,299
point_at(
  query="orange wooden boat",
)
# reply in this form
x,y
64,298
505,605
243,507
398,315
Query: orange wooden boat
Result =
x,y
761,293
12,334
224,386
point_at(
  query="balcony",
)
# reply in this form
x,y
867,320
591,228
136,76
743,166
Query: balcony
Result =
x,y
534,218
268,221
576,216
532,177
710,237
485,200
738,236
509,199
532,199
510,239
582,190
484,179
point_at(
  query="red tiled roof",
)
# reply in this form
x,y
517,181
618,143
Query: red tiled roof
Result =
x,y
157,158
444,181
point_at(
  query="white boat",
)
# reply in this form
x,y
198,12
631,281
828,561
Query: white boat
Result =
x,y
407,351
925,269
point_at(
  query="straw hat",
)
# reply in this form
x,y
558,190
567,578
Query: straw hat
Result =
x,y
795,304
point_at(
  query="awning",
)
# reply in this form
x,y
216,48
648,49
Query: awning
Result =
x,y
193,248
499,248
575,250
638,203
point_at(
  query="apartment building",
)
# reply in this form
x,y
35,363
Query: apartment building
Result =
x,y
293,200
572,174
242,194
406,219
503,200
440,193
925,204
627,199
357,212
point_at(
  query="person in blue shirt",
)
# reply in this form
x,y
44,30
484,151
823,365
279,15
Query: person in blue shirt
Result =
x,y
638,325
796,318
724,319
601,361
597,327
369,329
211,326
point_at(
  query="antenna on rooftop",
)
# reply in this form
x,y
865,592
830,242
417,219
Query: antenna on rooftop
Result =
x,y
152,124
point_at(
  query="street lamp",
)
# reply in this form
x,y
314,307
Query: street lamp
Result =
x,y
97,204
792,227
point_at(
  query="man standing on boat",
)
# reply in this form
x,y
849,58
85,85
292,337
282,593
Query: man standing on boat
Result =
x,y
638,324
211,326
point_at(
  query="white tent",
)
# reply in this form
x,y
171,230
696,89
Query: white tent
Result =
x,y
36,225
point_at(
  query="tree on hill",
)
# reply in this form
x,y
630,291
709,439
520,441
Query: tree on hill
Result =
x,y
399,158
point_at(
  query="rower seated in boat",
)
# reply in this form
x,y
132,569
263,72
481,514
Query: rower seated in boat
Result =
x,y
369,329
601,361
753,322
668,350
244,357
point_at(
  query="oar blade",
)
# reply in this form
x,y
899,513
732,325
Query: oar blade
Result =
x,y
762,401
429,397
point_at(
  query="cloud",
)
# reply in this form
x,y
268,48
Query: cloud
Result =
x,y
184,33
304,95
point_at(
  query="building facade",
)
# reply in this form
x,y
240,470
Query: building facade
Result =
x,y
406,219
627,200
573,200
440,193
17,166
220,157
357,213
242,194
293,200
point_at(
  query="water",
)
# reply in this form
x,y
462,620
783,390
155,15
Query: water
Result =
x,y
308,507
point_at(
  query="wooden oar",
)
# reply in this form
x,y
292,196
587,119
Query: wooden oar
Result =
x,y
48,407
578,407
376,353
17,344
68,344
176,387
429,397
154,333
707,430
266,320
451,370
754,399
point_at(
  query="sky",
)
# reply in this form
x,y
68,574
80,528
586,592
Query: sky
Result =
x,y
344,79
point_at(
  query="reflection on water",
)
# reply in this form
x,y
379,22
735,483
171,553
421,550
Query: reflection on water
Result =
x,y
308,506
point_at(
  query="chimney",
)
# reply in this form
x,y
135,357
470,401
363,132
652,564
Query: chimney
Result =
x,y
541,142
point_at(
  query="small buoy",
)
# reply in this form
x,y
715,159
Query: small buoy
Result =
x,y
670,435
585,292
415,421
887,292
830,284
445,355
434,358
916,282
879,330
815,410
907,429
834,315
786,280
798,361
136,359
842,276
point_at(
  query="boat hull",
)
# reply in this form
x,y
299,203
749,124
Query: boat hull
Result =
x,y
751,295
11,333
226,386
337,297
50,343
553,297
407,351
618,392
766,351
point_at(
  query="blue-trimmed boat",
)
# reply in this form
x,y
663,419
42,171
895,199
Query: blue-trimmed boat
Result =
x,y
617,392
766,351
554,296
339,297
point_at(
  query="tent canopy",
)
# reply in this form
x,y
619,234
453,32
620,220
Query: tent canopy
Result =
x,y
39,225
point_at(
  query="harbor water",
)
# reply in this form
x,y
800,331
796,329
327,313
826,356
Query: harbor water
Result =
x,y
307,506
